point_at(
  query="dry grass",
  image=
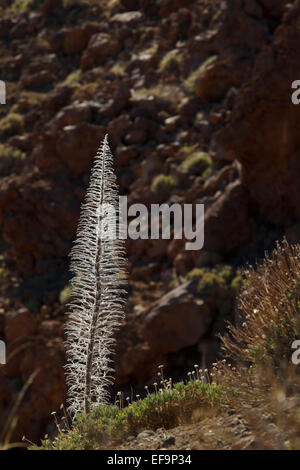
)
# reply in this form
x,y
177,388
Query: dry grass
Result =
x,y
258,376
269,310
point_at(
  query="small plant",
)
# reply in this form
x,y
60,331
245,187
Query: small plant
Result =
x,y
11,124
170,62
169,406
163,184
73,77
198,163
269,306
25,5
190,81
118,69
65,295
221,284
96,306
8,157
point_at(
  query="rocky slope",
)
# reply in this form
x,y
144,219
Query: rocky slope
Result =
x,y
167,82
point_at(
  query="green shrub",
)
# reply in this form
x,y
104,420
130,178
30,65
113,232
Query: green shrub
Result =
x,y
221,284
166,408
190,81
8,157
198,163
25,5
65,295
11,124
170,62
118,69
3,275
163,184
73,77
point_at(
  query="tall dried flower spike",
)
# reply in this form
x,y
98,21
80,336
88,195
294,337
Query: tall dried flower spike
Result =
x,y
95,310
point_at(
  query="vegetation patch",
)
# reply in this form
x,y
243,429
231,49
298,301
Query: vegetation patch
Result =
x,y
163,184
221,284
198,163
8,157
168,407
170,62
73,77
25,5
11,124
190,81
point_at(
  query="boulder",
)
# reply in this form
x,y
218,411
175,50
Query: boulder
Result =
x,y
226,223
177,320
22,325
129,18
77,145
70,41
101,47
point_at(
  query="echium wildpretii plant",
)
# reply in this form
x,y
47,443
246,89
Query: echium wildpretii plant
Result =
x,y
95,310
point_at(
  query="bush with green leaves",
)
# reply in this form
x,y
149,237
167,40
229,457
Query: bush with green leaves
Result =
x,y
170,62
190,81
11,124
198,163
220,283
25,5
163,184
8,157
167,407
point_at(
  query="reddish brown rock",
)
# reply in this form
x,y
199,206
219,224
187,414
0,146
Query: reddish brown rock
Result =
x,y
215,80
229,211
71,115
167,6
77,145
70,40
293,234
263,130
22,325
51,328
101,47
37,80
136,136
129,18
178,320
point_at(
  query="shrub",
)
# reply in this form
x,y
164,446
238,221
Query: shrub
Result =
x,y
190,81
25,5
269,307
167,407
8,157
258,377
170,62
65,295
118,69
163,184
73,77
221,284
198,163
11,124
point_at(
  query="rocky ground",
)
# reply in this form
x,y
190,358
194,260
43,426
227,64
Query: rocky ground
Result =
x,y
165,79
217,433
